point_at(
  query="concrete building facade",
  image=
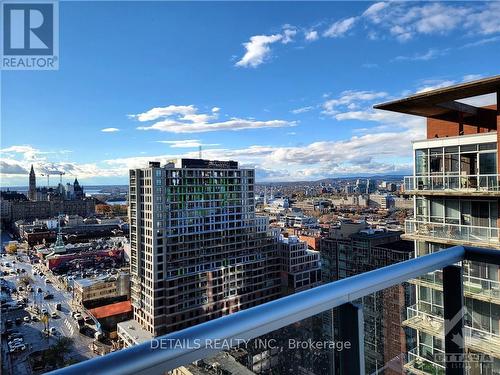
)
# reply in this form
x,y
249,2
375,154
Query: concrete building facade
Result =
x,y
197,249
455,187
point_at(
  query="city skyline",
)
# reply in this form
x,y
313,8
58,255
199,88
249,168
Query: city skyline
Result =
x,y
286,89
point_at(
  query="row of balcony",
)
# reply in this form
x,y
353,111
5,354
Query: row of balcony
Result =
x,y
450,233
474,287
475,339
449,183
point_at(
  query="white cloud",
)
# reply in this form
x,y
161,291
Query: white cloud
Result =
x,y
472,77
187,143
406,20
482,42
311,35
311,161
156,113
110,130
403,20
230,125
339,28
302,110
434,84
28,152
350,99
428,55
289,33
481,100
187,119
11,167
373,11
257,50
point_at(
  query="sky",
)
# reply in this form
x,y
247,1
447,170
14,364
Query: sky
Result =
x,y
287,88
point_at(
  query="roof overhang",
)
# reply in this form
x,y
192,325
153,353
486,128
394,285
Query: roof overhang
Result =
x,y
442,103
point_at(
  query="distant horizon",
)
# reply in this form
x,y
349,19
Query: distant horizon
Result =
x,y
86,186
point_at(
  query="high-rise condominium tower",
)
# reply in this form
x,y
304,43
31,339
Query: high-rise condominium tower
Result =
x,y
456,194
198,251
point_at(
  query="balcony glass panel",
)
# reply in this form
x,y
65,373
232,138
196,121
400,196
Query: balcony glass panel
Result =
x,y
440,231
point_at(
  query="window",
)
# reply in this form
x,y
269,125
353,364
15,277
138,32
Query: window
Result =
x,y
421,162
436,161
488,163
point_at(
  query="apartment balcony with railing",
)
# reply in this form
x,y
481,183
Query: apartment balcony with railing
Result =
x,y
288,314
475,339
482,342
474,287
451,233
453,184
419,365
423,321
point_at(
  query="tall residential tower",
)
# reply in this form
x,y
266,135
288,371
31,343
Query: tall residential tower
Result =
x,y
456,195
198,251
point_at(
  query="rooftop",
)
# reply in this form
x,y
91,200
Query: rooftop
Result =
x,y
401,245
442,103
112,309
135,331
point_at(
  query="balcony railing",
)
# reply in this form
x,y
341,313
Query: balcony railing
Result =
x,y
474,287
419,365
423,321
482,342
452,232
148,358
453,182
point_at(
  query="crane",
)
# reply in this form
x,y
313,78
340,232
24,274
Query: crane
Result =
x,y
48,173
48,178
60,175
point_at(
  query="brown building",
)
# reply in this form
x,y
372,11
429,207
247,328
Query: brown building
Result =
x,y
30,210
353,249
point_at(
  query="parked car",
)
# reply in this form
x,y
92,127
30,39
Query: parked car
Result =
x,y
48,296
26,319
88,319
17,348
8,323
39,290
15,341
18,321
52,330
54,315
43,311
77,316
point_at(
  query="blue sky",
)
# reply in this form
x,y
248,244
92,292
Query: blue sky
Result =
x,y
286,88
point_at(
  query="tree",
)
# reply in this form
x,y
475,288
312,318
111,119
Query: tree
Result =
x,y
25,280
103,209
11,248
55,355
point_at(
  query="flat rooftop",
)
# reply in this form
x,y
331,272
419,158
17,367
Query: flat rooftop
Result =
x,y
442,103
134,330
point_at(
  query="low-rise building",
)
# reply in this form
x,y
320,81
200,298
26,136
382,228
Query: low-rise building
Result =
x,y
101,290
110,315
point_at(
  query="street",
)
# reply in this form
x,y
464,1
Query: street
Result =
x,y
32,332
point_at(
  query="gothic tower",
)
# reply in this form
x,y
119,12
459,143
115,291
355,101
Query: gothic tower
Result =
x,y
32,185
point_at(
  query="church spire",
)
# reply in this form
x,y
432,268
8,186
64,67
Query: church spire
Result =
x,y
32,185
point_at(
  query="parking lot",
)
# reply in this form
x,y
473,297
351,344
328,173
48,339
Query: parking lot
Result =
x,y
23,304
